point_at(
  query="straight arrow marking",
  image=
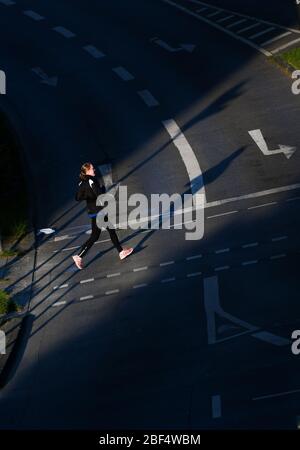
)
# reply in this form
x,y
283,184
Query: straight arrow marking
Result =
x,y
258,138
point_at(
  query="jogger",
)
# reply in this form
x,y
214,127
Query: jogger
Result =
x,y
89,189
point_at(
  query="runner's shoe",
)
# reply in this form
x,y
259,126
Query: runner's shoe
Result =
x,y
125,252
78,261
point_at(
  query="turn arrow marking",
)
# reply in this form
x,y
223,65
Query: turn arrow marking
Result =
x,y
261,143
51,81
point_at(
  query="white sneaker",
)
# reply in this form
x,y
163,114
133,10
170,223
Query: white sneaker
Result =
x,y
78,261
125,252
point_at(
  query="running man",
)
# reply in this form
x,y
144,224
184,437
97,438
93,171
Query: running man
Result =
x,y
88,189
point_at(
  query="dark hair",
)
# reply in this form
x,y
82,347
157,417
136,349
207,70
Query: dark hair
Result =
x,y
86,166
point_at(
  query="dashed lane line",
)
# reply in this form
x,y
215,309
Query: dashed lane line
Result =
x,y
64,32
113,291
248,263
216,406
262,206
222,214
123,73
7,2
93,51
139,269
62,286
252,244
86,297
63,302
111,275
222,250
33,15
218,269
89,280
148,98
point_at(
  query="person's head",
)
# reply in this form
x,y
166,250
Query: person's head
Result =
x,y
86,169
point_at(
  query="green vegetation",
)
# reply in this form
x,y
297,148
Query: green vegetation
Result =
x,y
6,304
7,253
13,195
292,57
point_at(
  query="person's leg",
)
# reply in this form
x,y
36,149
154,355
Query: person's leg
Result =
x,y
88,244
123,252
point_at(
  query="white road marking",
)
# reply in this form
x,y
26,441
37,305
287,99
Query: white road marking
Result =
x,y
271,338
252,244
166,263
114,291
292,199
213,307
51,81
123,73
61,238
86,297
110,275
148,98
202,9
64,32
188,156
267,30
218,269
262,206
285,46
276,38
254,195
225,18
62,286
33,15
138,269
222,250
168,280
194,274
222,214
89,280
189,258
260,141
249,27
215,13
279,238
282,255
138,286
280,394
68,249
216,406
7,2
59,303
248,263
238,22
94,51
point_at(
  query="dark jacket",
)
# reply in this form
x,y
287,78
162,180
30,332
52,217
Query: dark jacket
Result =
x,y
88,190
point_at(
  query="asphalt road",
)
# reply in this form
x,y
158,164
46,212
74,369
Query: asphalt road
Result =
x,y
183,334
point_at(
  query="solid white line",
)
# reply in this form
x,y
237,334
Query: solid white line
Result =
x,y
271,338
33,15
238,22
252,244
217,269
276,38
262,206
254,195
216,406
68,249
89,280
114,291
222,250
292,199
279,238
247,263
59,303
137,286
282,255
254,25
214,13
195,274
296,391
7,2
123,73
140,268
189,258
148,98
202,9
223,214
93,51
168,280
62,286
285,46
188,156
86,297
167,263
113,275
254,36
64,32
224,19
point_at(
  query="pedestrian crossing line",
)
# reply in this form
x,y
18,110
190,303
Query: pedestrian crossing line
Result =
x,y
261,33
276,38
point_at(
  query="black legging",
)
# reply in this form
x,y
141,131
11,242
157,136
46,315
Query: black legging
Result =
x,y
95,236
